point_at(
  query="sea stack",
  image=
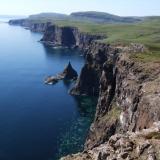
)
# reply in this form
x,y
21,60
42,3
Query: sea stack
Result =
x,y
69,73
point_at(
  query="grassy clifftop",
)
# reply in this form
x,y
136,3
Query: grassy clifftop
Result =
x,y
146,32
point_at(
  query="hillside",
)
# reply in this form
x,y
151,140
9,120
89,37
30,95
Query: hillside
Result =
x,y
90,16
102,17
49,16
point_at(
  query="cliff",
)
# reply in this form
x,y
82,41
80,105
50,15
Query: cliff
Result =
x,y
129,99
68,37
128,90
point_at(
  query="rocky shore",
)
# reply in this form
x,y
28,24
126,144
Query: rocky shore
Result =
x,y
128,91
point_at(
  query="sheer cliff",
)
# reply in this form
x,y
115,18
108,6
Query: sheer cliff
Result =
x,y
128,89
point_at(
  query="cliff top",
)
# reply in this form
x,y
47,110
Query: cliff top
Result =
x,y
146,31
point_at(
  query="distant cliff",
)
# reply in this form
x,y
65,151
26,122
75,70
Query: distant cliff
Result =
x,y
35,27
68,37
89,16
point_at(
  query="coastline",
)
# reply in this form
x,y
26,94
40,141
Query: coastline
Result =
x,y
119,81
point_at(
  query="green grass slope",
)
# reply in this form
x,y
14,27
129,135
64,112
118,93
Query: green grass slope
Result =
x,y
102,17
146,32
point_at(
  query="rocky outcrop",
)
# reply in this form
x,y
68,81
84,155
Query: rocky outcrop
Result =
x,y
143,145
68,74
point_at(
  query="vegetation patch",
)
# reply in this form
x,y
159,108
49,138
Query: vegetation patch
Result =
x,y
113,114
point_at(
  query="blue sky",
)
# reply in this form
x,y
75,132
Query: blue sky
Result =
x,y
119,7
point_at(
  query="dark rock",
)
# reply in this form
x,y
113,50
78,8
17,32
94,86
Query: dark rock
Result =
x,y
68,37
69,73
124,155
87,83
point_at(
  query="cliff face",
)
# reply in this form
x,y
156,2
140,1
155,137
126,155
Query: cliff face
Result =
x,y
68,37
128,99
96,55
128,90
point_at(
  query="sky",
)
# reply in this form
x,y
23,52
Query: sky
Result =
x,y
118,7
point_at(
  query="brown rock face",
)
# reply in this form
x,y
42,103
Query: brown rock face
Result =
x,y
131,90
128,91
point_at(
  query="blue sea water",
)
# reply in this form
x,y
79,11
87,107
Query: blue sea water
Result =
x,y
38,122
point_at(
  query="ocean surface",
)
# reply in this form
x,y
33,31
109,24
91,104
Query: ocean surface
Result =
x,y
38,121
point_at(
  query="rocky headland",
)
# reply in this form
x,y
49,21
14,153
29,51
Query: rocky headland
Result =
x,y
128,96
